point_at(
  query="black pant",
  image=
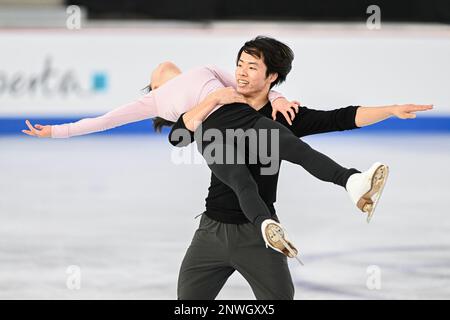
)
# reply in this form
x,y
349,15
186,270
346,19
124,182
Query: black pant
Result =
x,y
291,148
219,249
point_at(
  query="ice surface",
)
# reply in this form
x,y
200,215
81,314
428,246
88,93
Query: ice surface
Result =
x,y
121,210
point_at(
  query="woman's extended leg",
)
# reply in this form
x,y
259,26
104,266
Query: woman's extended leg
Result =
x,y
291,148
364,188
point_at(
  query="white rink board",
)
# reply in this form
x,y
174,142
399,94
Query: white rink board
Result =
x,y
334,66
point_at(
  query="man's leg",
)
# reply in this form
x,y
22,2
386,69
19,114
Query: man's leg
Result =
x,y
205,267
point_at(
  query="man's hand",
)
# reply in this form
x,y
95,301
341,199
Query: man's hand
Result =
x,y
285,107
408,111
38,130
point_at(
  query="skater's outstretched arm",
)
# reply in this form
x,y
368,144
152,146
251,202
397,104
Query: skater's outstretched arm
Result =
x,y
369,115
311,121
141,109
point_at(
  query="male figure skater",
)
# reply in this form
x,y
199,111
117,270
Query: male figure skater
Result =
x,y
226,241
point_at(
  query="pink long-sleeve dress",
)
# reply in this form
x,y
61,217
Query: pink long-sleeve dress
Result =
x,y
169,101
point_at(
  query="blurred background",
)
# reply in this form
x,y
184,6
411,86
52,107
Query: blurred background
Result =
x,y
111,214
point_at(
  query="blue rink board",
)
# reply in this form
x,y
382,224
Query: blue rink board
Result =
x,y
434,125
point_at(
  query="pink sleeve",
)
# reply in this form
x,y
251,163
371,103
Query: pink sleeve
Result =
x,y
141,109
227,79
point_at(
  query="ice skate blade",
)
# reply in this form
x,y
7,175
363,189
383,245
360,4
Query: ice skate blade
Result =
x,y
287,248
379,179
299,261
293,253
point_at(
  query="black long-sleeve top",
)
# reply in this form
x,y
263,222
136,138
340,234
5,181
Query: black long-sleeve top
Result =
x,y
222,203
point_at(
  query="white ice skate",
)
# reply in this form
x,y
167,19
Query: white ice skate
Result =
x,y
365,188
276,238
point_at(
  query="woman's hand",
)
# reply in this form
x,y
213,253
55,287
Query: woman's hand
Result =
x,y
287,108
38,130
226,96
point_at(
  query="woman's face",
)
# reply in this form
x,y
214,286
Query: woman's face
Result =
x,y
163,73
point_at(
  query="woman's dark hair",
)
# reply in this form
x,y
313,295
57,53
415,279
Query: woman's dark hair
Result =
x,y
276,56
158,123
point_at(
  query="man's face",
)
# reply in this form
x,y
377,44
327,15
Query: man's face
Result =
x,y
251,75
